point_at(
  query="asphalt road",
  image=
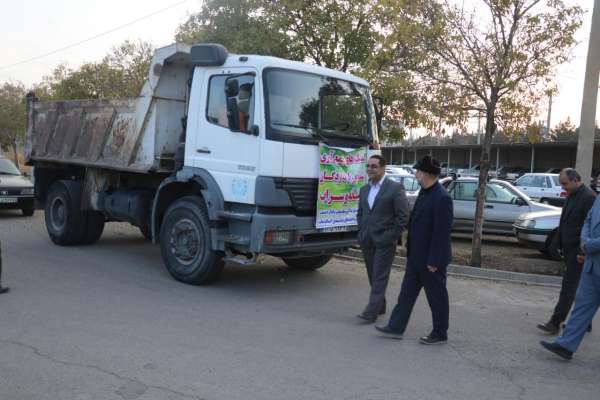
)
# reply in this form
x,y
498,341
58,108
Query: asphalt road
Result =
x,y
107,322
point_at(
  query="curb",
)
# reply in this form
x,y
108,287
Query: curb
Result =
x,y
464,271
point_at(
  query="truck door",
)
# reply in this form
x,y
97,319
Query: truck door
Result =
x,y
230,155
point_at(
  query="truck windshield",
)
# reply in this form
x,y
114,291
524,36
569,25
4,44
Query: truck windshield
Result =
x,y
303,107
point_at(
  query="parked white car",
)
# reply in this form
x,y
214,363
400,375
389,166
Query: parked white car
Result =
x,y
411,186
396,170
544,188
408,168
538,230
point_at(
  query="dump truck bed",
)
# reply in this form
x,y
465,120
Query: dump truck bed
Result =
x,y
138,134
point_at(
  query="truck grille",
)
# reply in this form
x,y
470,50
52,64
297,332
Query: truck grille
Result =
x,y
302,191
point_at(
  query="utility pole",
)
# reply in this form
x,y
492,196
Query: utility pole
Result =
x,y
587,125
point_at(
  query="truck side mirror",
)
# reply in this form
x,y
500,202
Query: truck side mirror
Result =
x,y
233,114
232,87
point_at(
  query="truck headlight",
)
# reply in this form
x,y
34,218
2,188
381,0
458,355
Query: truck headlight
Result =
x,y
279,237
27,192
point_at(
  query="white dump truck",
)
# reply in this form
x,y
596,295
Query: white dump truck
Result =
x,y
217,160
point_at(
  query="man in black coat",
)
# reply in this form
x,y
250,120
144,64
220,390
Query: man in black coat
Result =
x,y
382,216
428,255
580,200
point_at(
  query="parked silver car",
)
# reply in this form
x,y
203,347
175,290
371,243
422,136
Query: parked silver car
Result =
x,y
504,203
538,230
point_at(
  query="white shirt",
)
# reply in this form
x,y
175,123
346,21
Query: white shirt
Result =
x,y
373,191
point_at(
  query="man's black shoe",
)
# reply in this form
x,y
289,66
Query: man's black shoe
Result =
x,y
3,289
364,318
432,340
389,332
557,349
549,327
589,328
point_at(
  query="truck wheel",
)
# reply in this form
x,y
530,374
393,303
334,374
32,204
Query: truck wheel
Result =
x,y
28,212
94,223
185,243
308,263
551,246
64,221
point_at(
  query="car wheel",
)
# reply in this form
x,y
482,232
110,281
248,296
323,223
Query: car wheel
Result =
x,y
545,201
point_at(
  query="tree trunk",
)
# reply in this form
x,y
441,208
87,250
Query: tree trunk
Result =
x,y
486,147
16,155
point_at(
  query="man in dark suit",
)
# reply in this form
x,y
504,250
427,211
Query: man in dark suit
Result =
x,y
382,216
428,255
580,200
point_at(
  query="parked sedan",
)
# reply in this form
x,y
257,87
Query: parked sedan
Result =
x,y
504,203
544,188
16,190
510,174
538,230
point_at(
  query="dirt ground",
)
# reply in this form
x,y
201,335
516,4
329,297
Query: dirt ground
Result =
x,y
502,253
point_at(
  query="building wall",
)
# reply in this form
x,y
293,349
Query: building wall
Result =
x,y
545,157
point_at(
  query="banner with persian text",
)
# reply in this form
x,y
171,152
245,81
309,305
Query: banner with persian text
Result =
x,y
342,173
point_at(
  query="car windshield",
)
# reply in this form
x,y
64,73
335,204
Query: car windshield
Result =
x,y
8,168
308,106
514,189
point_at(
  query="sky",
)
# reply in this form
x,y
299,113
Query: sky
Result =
x,y
30,28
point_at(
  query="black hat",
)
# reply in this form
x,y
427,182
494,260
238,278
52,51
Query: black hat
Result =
x,y
429,164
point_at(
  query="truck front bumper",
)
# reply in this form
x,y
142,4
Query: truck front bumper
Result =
x,y
303,237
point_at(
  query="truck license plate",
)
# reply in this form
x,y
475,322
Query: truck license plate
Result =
x,y
339,229
8,200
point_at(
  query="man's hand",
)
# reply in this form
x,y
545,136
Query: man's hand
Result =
x,y
580,258
431,269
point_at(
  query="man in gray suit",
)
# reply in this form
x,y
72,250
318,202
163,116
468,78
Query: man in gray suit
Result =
x,y
382,216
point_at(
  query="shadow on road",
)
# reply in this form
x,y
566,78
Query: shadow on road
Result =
x,y
11,214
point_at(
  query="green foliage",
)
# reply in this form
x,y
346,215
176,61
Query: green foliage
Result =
x,y
238,25
121,73
12,116
498,59
355,36
564,131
